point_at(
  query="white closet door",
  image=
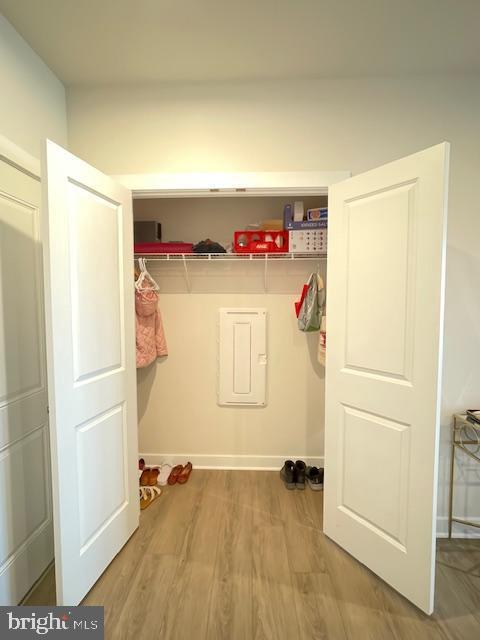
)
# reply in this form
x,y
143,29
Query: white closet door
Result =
x,y
88,261
26,532
386,261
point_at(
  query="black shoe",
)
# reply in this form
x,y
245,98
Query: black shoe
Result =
x,y
300,469
315,478
287,474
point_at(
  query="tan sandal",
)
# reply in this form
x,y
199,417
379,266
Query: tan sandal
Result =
x,y
148,495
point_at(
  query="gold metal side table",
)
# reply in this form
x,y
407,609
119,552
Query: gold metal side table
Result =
x,y
462,433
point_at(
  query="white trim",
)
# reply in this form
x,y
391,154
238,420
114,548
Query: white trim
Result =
x,y
458,530
171,185
227,461
227,193
17,157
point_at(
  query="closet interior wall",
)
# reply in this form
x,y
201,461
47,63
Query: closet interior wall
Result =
x,y
178,412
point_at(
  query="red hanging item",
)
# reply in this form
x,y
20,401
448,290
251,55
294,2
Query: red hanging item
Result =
x,y
298,305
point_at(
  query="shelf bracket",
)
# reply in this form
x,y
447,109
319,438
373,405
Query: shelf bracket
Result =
x,y
265,275
187,278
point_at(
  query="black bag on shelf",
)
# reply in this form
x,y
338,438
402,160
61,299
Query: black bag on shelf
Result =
x,y
208,246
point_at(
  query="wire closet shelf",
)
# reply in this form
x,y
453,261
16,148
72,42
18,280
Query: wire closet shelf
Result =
x,y
264,259
233,257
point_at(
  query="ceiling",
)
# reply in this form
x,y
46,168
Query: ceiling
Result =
x,y
142,41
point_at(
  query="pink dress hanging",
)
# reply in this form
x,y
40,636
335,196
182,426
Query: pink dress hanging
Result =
x,y
150,335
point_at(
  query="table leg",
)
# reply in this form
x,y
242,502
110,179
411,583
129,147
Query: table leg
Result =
x,y
452,468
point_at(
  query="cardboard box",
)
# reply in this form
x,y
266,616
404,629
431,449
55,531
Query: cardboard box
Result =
x,y
291,225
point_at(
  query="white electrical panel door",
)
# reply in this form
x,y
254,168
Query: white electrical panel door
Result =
x,y
242,356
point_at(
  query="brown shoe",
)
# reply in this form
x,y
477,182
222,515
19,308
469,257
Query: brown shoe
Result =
x,y
185,474
144,478
174,473
152,479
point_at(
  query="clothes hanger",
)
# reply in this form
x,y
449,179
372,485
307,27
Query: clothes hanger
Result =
x,y
144,275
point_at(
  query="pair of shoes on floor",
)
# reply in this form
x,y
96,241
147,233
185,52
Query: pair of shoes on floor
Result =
x,y
149,476
165,470
295,474
154,475
314,477
180,473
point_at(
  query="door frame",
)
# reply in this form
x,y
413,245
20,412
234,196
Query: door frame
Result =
x,y
235,184
243,184
19,158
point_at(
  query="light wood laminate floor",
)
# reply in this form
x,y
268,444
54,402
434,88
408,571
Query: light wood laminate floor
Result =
x,y
233,555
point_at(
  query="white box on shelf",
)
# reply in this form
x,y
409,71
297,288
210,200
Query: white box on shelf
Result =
x,y
298,210
308,241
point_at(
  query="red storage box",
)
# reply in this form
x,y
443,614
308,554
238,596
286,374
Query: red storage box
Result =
x,y
163,247
260,242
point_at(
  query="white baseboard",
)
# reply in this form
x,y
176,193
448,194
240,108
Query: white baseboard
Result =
x,y
458,530
240,462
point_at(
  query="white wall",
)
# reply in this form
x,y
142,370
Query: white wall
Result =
x,y
323,125
32,106
177,399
